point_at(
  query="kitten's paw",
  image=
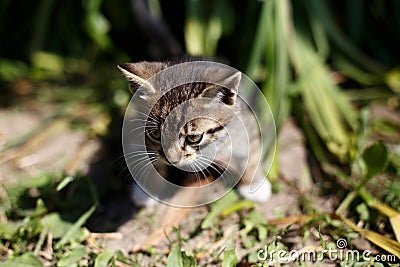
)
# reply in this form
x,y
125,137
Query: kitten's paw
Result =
x,y
141,198
259,192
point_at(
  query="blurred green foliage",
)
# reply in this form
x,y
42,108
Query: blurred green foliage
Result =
x,y
359,31
302,53
322,62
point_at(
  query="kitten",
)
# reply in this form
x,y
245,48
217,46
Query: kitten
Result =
x,y
205,132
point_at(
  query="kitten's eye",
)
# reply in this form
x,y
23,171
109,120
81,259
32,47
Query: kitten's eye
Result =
x,y
156,134
194,138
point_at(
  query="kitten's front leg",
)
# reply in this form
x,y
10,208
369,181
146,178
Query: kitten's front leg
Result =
x,y
139,197
254,186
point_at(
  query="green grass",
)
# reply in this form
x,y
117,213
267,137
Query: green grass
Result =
x,y
326,64
43,222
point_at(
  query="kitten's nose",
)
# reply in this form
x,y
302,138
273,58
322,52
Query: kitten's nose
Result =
x,y
173,161
173,156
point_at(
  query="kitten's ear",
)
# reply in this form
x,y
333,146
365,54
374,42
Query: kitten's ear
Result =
x,y
138,73
226,92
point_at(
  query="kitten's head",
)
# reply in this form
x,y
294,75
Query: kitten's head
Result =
x,y
175,130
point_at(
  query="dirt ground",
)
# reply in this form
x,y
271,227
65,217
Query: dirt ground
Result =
x,y
33,141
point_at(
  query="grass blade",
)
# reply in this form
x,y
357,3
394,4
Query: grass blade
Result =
x,y
276,83
194,28
257,51
326,105
387,244
218,208
75,227
320,10
394,215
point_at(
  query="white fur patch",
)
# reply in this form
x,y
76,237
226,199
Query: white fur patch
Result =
x,y
261,194
141,198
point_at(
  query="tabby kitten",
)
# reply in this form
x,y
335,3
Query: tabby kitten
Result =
x,y
200,141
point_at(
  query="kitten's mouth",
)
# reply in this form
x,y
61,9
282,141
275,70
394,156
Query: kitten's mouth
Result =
x,y
179,164
164,160
183,163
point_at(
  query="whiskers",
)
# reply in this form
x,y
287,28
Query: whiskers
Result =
x,y
143,122
216,168
140,163
135,163
206,169
144,164
143,125
200,173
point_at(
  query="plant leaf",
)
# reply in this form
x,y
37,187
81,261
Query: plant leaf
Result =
x,y
75,227
53,223
393,80
230,259
73,257
375,158
25,260
237,206
103,258
178,258
381,241
363,211
219,207
64,182
394,216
